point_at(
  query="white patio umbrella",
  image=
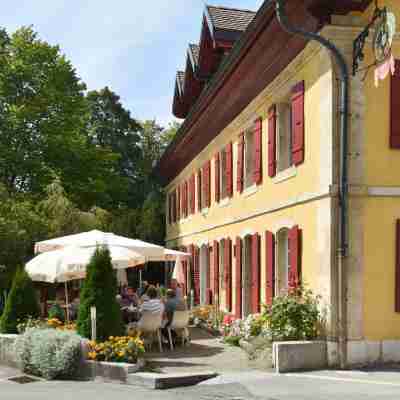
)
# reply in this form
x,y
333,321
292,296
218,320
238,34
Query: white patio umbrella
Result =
x,y
94,238
70,263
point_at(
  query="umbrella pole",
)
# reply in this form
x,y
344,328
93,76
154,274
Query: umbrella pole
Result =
x,y
66,300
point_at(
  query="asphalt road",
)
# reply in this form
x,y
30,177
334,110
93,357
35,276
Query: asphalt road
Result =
x,y
325,385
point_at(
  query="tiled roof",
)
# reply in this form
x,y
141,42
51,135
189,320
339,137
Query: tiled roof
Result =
x,y
180,79
194,50
231,19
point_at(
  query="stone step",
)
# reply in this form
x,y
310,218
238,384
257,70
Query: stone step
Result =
x,y
151,380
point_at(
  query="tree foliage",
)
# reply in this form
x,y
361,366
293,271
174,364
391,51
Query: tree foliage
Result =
x,y
70,161
100,290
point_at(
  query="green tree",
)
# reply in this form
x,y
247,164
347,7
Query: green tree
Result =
x,y
21,303
112,127
43,119
100,290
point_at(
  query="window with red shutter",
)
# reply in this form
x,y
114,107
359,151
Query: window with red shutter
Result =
x,y
255,273
294,257
238,278
397,268
270,267
199,191
228,273
217,180
272,141
240,164
298,124
229,170
257,172
394,108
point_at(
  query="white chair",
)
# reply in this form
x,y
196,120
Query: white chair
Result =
x,y
180,321
151,323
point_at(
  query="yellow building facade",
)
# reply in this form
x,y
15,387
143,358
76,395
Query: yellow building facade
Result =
x,y
278,210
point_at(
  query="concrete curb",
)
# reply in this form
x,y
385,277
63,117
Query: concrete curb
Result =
x,y
168,381
102,371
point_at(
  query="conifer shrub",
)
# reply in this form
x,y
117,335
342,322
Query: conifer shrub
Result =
x,y
21,303
100,290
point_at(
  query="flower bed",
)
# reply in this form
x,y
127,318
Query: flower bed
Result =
x,y
119,349
291,317
45,324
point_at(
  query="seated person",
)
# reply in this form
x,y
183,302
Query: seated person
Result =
x,y
74,308
172,304
132,297
151,303
143,288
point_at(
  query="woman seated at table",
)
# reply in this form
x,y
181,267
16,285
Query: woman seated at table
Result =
x,y
151,302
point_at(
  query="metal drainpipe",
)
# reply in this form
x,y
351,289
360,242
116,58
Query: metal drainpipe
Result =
x,y
343,188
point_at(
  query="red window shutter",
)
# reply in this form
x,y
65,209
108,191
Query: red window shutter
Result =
x,y
209,277
199,190
294,257
229,170
397,275
206,183
217,178
184,268
270,265
298,123
394,108
240,164
216,268
192,194
228,274
196,273
272,141
258,152
255,273
238,272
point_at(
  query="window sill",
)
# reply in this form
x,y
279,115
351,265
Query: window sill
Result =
x,y
250,190
285,175
225,202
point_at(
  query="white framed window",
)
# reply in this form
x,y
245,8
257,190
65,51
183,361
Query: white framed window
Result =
x,y
284,135
249,151
282,262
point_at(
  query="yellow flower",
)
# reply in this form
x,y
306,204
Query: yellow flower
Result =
x,y
92,355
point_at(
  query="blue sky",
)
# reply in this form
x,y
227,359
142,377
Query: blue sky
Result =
x,y
132,46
